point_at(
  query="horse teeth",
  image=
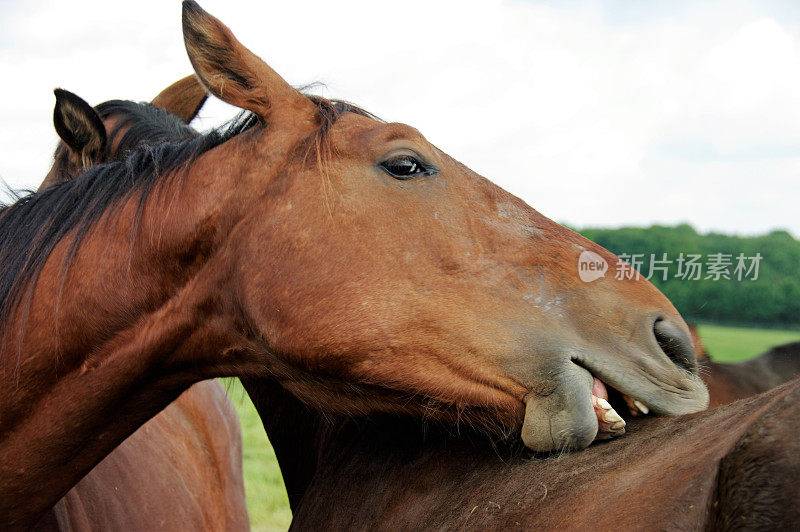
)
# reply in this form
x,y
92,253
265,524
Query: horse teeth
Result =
x,y
605,405
616,427
641,406
635,407
611,416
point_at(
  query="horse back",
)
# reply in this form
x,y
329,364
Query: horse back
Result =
x,y
728,382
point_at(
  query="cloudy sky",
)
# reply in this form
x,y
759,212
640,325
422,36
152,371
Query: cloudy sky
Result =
x,y
596,113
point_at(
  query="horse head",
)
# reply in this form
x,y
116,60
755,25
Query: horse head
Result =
x,y
91,136
387,276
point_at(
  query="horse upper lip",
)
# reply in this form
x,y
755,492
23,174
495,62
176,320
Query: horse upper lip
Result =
x,y
652,390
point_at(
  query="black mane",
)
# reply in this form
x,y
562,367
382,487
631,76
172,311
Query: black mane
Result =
x,y
31,227
147,124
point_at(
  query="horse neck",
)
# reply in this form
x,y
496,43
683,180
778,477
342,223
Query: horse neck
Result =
x,y
302,437
310,446
295,432
129,336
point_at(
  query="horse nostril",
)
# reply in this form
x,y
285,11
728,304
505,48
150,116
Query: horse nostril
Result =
x,y
676,344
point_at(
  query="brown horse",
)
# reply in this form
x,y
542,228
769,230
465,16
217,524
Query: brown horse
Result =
x,y
92,136
310,244
730,381
184,465
730,468
181,471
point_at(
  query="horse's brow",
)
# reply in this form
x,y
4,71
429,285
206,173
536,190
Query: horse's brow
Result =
x,y
397,131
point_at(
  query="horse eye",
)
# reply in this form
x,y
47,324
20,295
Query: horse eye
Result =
x,y
406,167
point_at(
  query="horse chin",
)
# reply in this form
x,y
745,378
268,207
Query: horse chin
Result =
x,y
562,417
567,430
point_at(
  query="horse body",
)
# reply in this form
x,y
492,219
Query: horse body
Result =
x,y
732,466
327,453
729,381
181,471
398,474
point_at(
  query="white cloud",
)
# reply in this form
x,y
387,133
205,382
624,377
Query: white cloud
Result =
x,y
594,113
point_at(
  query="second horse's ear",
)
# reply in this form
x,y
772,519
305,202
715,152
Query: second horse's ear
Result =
x,y
183,98
80,127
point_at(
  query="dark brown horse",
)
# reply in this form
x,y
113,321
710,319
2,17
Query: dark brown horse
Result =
x,y
735,464
303,439
729,381
184,465
730,468
311,245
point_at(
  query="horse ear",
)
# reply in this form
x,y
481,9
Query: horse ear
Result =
x,y
80,127
183,98
233,73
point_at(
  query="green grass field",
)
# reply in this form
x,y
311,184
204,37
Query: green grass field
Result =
x,y
732,344
266,497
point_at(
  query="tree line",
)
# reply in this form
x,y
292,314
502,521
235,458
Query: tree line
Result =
x,y
714,277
